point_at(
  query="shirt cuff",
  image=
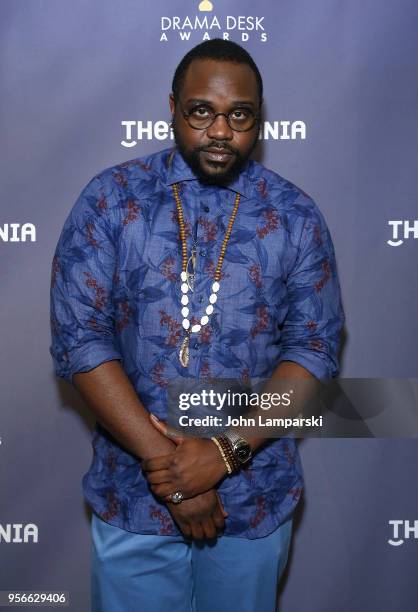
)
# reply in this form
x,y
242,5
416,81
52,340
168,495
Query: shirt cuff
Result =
x,y
321,367
87,357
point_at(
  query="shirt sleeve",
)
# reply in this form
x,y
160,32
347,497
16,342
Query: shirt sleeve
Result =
x,y
315,318
83,268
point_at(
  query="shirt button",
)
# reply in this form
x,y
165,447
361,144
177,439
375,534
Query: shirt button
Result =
x,y
203,253
196,345
200,298
206,208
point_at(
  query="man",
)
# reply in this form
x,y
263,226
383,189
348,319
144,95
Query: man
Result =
x,y
192,523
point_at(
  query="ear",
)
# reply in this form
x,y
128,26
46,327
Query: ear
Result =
x,y
172,103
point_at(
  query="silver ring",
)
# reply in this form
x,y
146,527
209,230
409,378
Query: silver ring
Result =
x,y
177,497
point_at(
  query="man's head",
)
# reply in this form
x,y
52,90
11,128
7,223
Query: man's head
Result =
x,y
217,76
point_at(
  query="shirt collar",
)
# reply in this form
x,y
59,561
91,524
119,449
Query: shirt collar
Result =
x,y
178,170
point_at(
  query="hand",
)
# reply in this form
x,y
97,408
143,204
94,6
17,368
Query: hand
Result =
x,y
195,466
200,517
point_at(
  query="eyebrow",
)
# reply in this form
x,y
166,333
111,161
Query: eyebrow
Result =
x,y
233,103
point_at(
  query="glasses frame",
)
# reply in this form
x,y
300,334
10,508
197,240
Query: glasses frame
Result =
x,y
186,116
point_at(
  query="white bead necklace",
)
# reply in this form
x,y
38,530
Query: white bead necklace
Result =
x,y
185,278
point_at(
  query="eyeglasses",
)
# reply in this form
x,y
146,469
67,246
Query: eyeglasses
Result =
x,y
201,117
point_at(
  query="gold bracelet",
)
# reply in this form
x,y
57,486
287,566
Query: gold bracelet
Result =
x,y
228,466
229,453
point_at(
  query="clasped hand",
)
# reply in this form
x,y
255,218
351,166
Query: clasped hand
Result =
x,y
195,466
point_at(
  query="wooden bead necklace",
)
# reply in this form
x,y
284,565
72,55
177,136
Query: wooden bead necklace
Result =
x,y
184,349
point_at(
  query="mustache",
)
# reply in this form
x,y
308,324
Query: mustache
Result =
x,y
219,145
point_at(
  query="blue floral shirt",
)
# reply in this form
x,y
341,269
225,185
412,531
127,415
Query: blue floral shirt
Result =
x,y
115,294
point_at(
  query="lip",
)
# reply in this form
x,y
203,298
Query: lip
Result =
x,y
218,155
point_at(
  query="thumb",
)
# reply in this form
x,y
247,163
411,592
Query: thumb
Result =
x,y
168,432
224,512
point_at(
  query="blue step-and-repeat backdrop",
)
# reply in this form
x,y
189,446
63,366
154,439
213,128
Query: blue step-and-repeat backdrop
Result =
x,y
84,85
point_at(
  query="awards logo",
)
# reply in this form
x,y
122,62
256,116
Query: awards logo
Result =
x,y
205,6
206,25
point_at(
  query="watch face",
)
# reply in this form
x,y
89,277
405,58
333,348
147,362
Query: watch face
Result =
x,y
243,451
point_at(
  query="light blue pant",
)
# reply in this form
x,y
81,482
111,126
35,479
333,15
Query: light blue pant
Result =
x,y
146,573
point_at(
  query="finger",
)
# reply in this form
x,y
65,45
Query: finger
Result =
x,y
209,528
163,491
157,463
185,529
159,476
197,531
187,532
221,506
218,519
163,428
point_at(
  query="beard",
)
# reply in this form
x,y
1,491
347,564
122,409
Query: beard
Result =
x,y
192,158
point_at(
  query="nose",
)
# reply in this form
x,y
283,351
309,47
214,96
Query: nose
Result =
x,y
220,130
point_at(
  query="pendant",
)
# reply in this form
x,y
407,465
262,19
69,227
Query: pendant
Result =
x,y
184,351
191,263
190,281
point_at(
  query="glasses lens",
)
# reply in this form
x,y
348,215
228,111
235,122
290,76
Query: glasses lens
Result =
x,y
241,119
200,117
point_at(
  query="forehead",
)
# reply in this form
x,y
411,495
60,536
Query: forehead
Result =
x,y
219,81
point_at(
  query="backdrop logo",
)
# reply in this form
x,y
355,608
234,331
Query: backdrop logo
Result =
x,y
205,6
135,131
205,25
401,530
410,228
15,232
16,533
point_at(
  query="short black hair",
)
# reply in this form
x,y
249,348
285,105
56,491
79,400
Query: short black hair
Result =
x,y
215,49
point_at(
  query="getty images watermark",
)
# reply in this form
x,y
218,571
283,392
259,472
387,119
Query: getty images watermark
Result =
x,y
224,408
403,530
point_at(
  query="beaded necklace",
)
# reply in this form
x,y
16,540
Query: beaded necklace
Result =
x,y
189,329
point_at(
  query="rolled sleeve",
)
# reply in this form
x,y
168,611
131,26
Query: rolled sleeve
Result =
x,y
312,328
81,307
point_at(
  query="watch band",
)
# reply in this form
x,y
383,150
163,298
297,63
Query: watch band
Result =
x,y
237,443
233,437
